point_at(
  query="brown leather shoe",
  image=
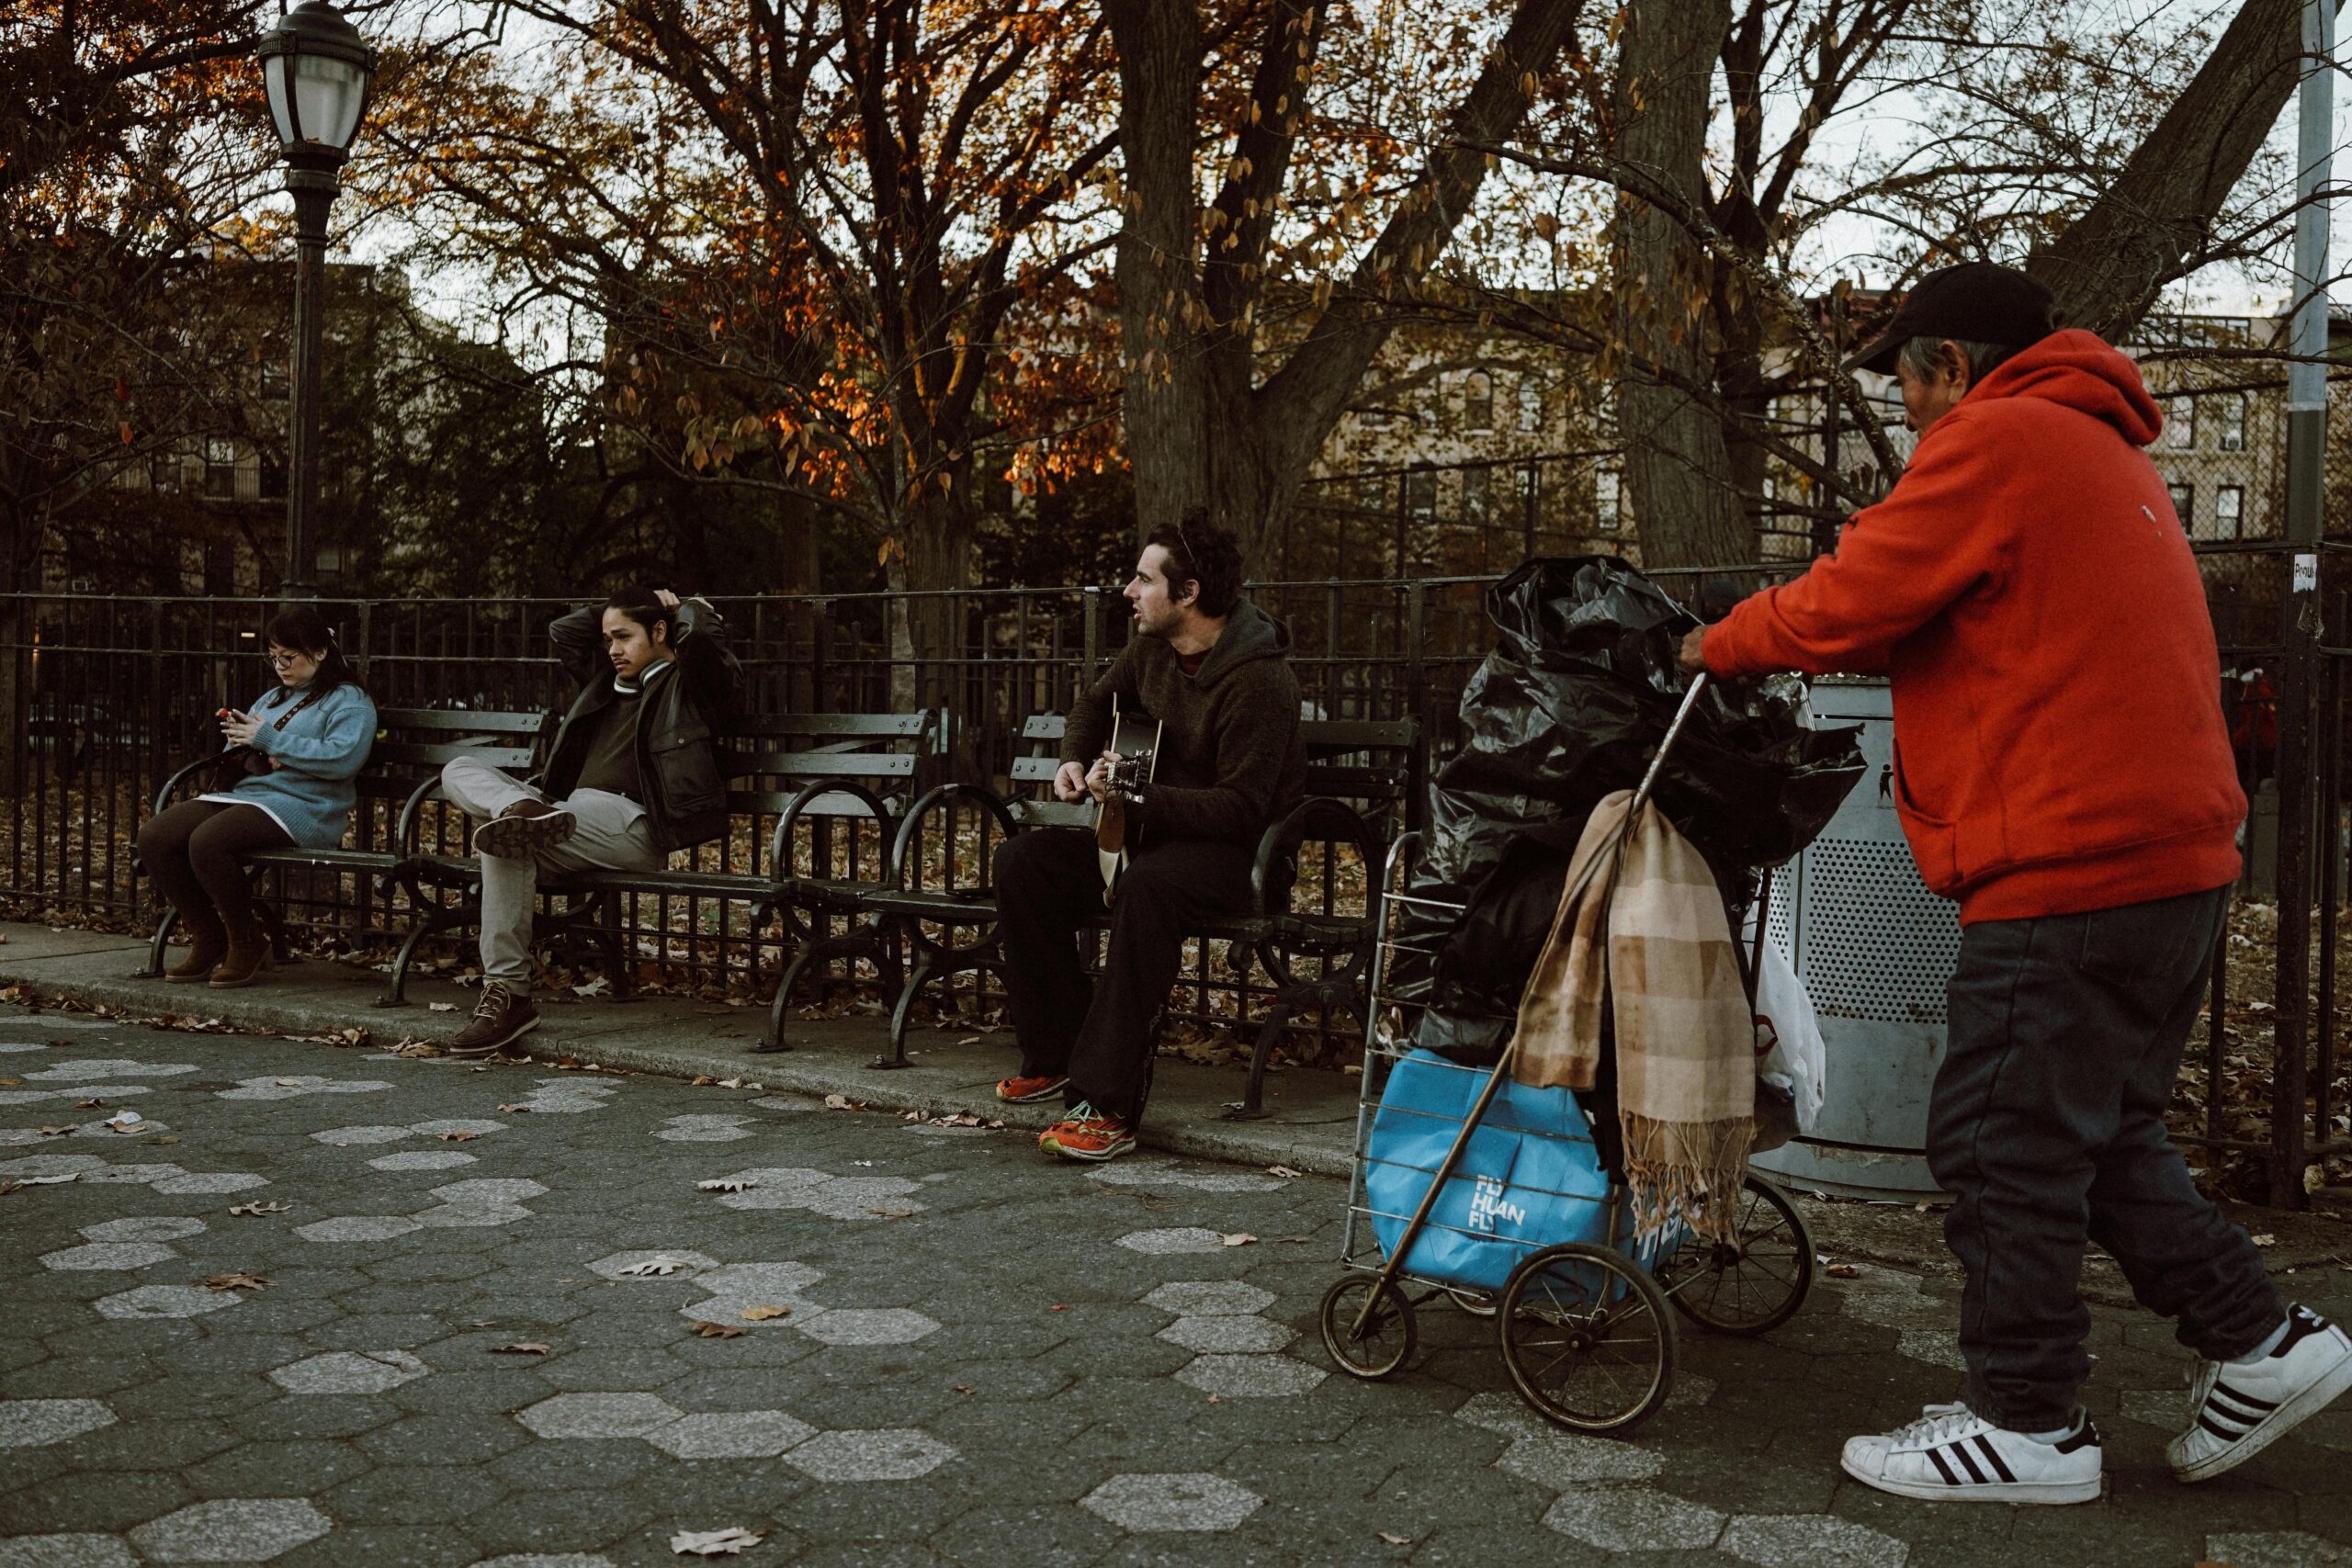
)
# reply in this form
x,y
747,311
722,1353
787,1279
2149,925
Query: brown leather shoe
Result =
x,y
523,829
500,1019
206,949
247,956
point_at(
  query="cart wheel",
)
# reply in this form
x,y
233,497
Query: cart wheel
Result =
x,y
1754,1283
1476,1303
1386,1336
1587,1338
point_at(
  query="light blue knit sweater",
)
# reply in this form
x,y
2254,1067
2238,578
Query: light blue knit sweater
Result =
x,y
319,753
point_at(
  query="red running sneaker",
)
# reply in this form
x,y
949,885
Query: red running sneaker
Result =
x,y
1086,1134
1028,1092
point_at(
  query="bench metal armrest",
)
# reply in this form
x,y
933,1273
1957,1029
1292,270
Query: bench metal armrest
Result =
x,y
171,785
903,845
1318,819
780,843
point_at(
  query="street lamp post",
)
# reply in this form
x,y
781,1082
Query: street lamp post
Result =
x,y
317,68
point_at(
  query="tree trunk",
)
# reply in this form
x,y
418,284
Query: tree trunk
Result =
x,y
1687,510
2149,227
939,528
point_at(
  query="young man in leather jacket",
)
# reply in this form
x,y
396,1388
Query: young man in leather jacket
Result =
x,y
634,773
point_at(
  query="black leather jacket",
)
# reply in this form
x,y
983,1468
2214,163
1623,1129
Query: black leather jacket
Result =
x,y
677,727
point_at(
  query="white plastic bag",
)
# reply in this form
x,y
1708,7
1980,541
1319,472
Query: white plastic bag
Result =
x,y
1789,1053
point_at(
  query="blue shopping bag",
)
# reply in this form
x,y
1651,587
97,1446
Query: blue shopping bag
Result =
x,y
1530,1177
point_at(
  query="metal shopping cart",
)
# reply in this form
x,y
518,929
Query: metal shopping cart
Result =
x,y
1583,1323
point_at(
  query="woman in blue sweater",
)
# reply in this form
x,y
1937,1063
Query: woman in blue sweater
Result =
x,y
301,744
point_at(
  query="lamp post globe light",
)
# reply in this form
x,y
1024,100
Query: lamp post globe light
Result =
x,y
317,69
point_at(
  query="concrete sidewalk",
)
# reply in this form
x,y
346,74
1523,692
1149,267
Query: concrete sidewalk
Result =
x,y
1309,1124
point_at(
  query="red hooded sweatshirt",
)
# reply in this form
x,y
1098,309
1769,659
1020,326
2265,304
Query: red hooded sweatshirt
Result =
x,y
2029,590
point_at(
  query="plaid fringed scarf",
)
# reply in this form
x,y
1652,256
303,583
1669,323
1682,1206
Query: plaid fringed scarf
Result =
x,y
1686,1042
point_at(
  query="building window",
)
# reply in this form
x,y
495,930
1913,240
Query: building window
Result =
x,y
2229,506
1531,404
2184,506
220,467
1478,402
2180,424
327,558
2234,422
1474,497
163,473
1607,513
1420,495
273,478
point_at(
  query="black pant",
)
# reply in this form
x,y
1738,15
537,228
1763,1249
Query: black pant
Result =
x,y
1048,888
2047,1128
192,852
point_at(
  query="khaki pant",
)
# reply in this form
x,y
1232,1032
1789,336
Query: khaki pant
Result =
x,y
612,835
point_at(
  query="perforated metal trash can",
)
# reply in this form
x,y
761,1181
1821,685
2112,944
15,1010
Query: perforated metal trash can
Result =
x,y
1874,949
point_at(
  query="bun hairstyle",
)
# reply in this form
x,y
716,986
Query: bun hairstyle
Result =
x,y
1199,551
303,627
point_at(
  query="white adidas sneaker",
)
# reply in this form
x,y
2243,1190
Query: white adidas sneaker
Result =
x,y
2237,1412
1953,1455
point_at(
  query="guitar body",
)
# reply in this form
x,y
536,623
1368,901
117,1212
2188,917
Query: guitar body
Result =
x,y
1134,740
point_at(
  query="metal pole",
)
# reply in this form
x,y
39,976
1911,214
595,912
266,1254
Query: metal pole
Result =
x,y
313,189
2299,606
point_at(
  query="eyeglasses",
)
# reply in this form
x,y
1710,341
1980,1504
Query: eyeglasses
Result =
x,y
284,661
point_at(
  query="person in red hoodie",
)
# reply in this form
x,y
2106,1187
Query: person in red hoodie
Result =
x,y
2063,772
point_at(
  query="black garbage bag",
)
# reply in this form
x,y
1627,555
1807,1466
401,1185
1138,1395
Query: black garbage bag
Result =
x,y
1569,707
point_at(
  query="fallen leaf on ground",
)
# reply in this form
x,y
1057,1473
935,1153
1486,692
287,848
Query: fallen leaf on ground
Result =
x,y
167,1138
730,1083
239,1280
1844,1271
2266,1240
837,1102
1283,1170
89,1104
1393,1539
715,1330
596,987
288,1083
652,1267
725,1184
1237,1238
1059,1306
969,1039
415,1048
457,1137
714,1543
520,1347
516,1109
10,1083
701,1080
892,1213
764,1313
259,1208
14,1182
963,1388
55,1132
440,1007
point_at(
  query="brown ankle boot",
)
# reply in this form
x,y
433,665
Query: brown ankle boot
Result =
x,y
206,949
248,955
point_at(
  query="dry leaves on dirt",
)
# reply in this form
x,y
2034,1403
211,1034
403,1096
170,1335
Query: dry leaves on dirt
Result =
x,y
238,1280
714,1543
259,1208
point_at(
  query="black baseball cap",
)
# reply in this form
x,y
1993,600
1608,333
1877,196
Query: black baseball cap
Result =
x,y
1974,302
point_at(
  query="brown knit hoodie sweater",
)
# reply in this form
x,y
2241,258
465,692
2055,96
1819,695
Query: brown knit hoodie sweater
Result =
x,y
1230,758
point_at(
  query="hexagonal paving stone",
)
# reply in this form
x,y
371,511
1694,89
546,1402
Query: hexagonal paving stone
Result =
x,y
868,1325
1633,1519
547,1559
422,1159
464,1215
1188,1502
212,1181
457,1124
614,1266
1167,1173
65,1552
1182,1239
1210,1298
772,1280
729,1309
291,1087
1562,1460
488,1194
108,1254
357,1227
735,1434
884,1453
165,1301
235,1530
349,1371
598,1415
703,1129
107,1067
2269,1549
1810,1540
32,1422
161,1228
129,1175
1250,1377
344,1137
1230,1335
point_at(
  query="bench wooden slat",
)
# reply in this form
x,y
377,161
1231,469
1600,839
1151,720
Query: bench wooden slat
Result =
x,y
414,754
865,725
830,765
459,719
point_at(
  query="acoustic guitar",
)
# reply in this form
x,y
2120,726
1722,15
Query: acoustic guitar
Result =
x,y
1134,743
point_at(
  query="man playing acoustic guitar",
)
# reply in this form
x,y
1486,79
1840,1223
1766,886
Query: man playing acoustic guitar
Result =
x,y
1213,670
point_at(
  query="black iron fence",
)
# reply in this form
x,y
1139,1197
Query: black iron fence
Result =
x,y
113,693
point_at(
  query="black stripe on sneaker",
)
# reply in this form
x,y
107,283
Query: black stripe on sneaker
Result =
x,y
1999,1467
2244,1401
2222,1419
1943,1468
1961,1453
2221,1432
2301,1324
2085,1436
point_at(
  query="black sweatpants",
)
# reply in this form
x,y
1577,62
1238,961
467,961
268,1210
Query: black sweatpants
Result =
x,y
193,851
2047,1128
1048,887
